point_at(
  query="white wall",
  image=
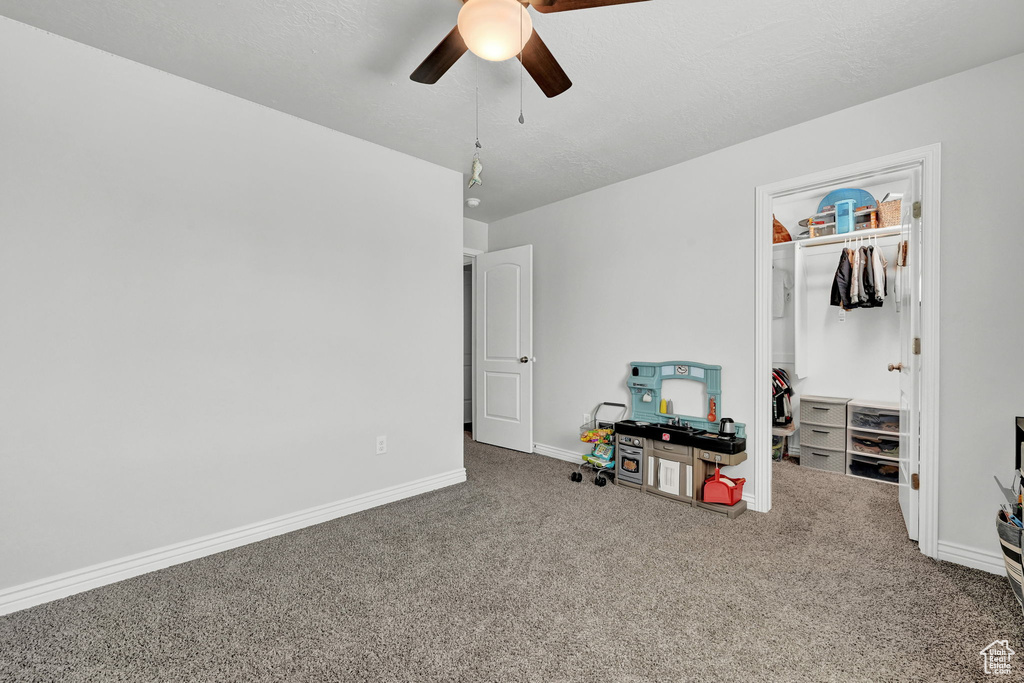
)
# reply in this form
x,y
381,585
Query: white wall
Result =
x,y
474,234
207,310
661,267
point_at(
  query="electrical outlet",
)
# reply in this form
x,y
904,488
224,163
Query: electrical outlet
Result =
x,y
382,445
586,418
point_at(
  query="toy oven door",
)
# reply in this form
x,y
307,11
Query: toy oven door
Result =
x,y
631,464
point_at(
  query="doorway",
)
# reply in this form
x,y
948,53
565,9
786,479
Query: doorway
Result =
x,y
468,337
467,346
918,337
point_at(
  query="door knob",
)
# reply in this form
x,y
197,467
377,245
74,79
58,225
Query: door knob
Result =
x,y
524,359
897,366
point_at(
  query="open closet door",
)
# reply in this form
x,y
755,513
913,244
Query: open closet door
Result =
x,y
909,285
503,364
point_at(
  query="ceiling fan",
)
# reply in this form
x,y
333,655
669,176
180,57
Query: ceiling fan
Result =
x,y
496,30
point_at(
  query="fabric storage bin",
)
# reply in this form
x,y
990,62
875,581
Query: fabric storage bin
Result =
x,y
1010,540
823,459
821,410
820,436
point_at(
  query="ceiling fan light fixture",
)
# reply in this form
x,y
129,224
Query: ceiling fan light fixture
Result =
x,y
495,30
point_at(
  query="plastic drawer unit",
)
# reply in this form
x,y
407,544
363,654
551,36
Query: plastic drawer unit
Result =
x,y
823,433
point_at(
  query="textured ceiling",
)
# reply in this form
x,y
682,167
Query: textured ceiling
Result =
x,y
655,83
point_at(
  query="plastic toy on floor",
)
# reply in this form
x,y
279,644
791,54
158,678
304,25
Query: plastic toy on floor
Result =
x,y
722,489
600,432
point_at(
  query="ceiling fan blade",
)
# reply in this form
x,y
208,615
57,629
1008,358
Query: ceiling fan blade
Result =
x,y
441,59
547,6
542,65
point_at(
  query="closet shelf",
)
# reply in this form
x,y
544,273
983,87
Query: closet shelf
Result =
x,y
854,451
895,435
884,481
839,239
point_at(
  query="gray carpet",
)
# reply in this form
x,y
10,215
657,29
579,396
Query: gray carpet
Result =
x,y
521,575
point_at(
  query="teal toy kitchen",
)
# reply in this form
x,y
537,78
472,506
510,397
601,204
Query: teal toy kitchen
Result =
x,y
675,456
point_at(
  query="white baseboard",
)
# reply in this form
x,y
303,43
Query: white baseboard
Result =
x,y
972,557
558,453
62,585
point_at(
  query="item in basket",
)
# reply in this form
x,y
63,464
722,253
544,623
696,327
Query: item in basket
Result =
x,y
596,435
866,445
886,423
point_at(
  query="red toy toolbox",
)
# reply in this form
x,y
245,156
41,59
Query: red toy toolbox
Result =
x,y
724,490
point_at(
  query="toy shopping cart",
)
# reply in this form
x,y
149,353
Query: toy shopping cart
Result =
x,y
601,432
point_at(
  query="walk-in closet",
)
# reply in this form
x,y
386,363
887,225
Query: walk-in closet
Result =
x,y
843,307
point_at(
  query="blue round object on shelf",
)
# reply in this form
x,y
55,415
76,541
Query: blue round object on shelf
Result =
x,y
860,198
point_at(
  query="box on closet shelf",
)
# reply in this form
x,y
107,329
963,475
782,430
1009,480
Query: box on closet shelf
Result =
x,y
890,211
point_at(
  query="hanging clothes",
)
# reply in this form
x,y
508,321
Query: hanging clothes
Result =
x,y
855,278
782,389
867,291
841,282
861,279
901,263
878,265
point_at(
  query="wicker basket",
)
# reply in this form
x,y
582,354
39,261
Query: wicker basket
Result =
x,y
1010,540
889,213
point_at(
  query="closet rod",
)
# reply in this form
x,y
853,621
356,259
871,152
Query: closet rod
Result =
x,y
848,236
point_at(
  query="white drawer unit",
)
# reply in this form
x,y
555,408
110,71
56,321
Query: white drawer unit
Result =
x,y
823,438
873,441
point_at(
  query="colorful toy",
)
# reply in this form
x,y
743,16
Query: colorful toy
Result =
x,y
601,432
722,489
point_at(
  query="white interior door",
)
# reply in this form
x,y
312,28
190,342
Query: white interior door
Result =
x,y
503,364
910,362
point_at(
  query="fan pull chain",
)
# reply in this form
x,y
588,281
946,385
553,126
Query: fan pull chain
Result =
x,y
522,64
478,145
477,166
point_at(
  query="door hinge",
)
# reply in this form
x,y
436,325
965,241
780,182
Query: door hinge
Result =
x,y
917,346
915,481
917,209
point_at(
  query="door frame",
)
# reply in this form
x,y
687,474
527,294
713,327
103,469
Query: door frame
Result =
x,y
928,397
469,259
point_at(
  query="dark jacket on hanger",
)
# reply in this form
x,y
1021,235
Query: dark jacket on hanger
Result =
x,y
841,282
